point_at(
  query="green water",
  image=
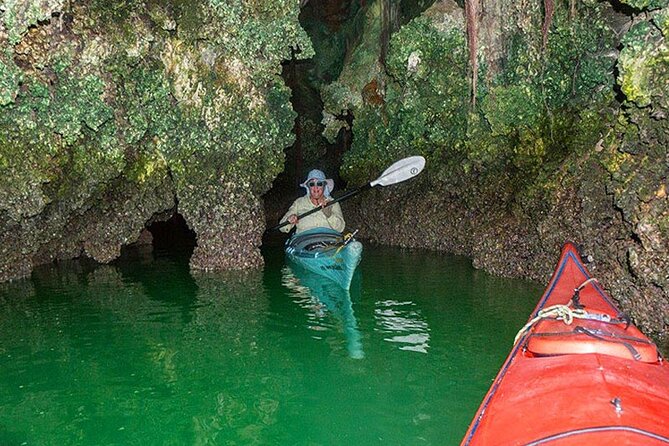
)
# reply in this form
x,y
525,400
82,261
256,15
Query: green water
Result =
x,y
141,352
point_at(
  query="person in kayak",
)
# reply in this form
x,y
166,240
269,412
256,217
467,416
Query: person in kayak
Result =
x,y
318,195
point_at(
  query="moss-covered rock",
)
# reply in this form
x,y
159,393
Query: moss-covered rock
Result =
x,y
551,151
10,78
645,4
120,110
18,15
643,64
415,104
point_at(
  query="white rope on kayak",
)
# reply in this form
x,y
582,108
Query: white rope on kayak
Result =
x,y
563,313
590,280
558,312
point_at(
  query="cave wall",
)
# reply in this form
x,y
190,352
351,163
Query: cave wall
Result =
x,y
540,122
113,112
561,137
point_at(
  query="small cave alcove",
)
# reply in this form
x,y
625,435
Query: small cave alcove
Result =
x,y
173,235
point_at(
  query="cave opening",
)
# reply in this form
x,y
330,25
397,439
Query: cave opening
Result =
x,y
336,29
173,235
329,24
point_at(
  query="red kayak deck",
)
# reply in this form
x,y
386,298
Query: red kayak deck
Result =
x,y
579,374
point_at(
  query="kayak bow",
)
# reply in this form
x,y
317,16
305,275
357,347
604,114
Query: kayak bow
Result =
x,y
579,373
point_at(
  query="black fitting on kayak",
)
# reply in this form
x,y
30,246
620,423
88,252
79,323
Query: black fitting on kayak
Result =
x,y
623,317
593,334
576,299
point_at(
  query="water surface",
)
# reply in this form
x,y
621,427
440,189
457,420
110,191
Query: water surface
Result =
x,y
143,352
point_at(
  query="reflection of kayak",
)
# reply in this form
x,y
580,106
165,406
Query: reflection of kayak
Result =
x,y
310,286
579,373
326,252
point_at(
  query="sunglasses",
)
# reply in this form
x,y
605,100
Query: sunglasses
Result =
x,y
316,183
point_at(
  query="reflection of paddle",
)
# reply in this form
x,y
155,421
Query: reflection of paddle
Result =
x,y
401,170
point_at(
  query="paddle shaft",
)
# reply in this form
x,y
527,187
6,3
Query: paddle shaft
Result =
x,y
346,196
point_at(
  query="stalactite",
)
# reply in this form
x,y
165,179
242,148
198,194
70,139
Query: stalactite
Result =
x,y
292,82
572,9
471,13
549,9
390,18
385,30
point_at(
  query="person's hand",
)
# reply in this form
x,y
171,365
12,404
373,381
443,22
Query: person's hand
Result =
x,y
292,219
326,211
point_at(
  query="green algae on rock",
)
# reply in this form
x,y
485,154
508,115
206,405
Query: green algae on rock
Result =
x,y
173,107
550,152
10,78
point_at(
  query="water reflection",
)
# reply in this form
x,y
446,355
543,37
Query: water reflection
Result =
x,y
322,297
226,341
403,323
117,354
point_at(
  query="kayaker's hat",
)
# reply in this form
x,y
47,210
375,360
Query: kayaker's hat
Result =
x,y
318,175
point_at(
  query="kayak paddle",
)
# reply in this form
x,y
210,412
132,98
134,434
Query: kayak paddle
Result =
x,y
399,171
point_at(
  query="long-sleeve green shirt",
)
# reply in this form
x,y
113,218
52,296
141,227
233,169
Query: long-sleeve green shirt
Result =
x,y
335,220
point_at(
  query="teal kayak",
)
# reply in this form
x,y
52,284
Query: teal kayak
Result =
x,y
326,252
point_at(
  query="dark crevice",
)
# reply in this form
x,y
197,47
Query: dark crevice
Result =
x,y
173,235
331,25
336,29
624,8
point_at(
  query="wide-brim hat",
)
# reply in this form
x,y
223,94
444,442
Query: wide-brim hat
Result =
x,y
319,176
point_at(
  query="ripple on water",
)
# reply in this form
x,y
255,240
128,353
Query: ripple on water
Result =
x,y
402,323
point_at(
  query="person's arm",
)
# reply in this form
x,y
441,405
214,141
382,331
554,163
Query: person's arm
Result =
x,y
291,211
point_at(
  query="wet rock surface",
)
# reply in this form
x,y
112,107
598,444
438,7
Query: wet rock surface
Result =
x,y
231,222
97,229
417,215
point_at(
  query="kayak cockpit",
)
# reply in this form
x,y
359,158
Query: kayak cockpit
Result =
x,y
585,325
326,252
554,337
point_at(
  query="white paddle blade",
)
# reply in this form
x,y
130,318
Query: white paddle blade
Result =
x,y
402,170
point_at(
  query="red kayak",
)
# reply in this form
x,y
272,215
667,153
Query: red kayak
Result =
x,y
580,373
